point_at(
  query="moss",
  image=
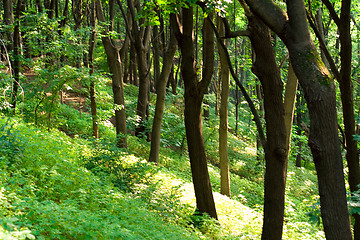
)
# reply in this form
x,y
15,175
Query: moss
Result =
x,y
325,77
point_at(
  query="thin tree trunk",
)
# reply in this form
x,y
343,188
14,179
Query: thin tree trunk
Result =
x,y
223,126
17,52
346,89
114,61
289,102
161,93
156,54
92,41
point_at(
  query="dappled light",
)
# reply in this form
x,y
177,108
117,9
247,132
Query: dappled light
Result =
x,y
179,120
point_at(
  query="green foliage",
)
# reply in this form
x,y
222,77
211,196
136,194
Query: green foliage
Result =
x,y
52,196
5,88
52,43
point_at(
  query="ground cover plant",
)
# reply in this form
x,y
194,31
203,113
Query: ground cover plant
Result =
x,y
62,186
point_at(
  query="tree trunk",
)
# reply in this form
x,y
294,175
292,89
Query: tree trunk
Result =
x,y
194,92
77,13
39,6
9,20
133,66
223,125
289,102
114,62
142,36
161,93
259,94
156,54
347,99
320,95
92,42
276,149
16,57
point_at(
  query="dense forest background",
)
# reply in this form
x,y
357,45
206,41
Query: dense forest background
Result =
x,y
179,119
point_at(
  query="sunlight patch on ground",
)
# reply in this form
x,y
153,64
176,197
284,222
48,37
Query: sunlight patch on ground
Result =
x,y
247,150
238,219
188,194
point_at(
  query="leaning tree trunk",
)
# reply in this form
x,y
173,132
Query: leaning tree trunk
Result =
x,y
114,62
194,93
161,93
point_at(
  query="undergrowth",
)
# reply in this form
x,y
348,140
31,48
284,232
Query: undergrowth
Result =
x,y
57,187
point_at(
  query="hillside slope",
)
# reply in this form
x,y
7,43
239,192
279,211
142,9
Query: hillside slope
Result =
x,y
56,187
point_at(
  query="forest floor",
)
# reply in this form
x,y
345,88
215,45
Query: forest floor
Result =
x,y
56,187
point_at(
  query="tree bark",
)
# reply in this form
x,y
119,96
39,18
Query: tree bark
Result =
x,y
77,13
223,113
319,91
347,99
289,102
156,54
194,92
114,62
276,149
16,56
92,41
161,93
142,36
9,20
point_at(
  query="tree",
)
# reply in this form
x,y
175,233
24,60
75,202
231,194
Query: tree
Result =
x,y
114,62
194,94
161,93
224,85
347,99
16,55
319,89
92,42
141,35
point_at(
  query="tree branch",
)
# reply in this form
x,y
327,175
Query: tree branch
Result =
x,y
323,47
243,90
233,34
331,9
271,14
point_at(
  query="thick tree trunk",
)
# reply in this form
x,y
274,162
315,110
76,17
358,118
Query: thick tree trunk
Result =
x,y
276,149
161,93
319,92
114,62
223,125
194,92
323,140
